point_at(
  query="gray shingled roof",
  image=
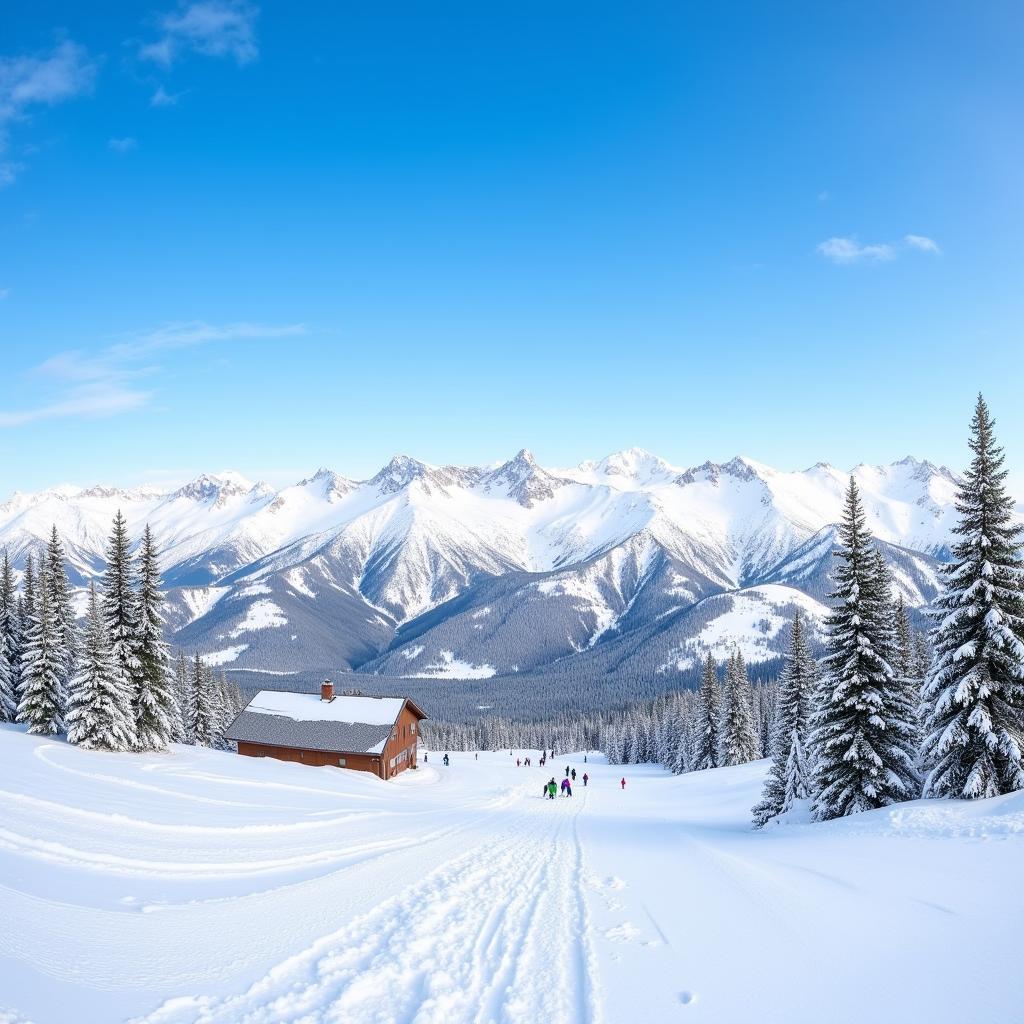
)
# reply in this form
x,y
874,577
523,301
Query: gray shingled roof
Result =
x,y
279,730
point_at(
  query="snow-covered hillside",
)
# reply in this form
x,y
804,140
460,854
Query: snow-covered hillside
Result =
x,y
469,571
201,886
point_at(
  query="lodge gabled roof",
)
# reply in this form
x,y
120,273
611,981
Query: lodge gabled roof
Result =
x,y
302,721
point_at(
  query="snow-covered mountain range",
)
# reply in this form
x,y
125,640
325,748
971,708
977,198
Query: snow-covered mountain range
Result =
x,y
625,565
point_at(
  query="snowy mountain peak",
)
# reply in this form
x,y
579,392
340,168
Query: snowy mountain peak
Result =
x,y
524,480
712,472
215,488
401,471
634,464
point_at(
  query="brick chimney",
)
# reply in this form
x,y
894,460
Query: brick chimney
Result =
x,y
327,690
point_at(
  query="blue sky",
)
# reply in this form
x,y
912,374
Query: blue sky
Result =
x,y
278,237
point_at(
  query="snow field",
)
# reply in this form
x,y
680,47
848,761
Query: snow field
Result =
x,y
198,886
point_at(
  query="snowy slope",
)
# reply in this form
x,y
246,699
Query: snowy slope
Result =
x,y
393,573
202,886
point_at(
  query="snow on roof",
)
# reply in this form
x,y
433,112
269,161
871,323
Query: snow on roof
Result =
x,y
308,707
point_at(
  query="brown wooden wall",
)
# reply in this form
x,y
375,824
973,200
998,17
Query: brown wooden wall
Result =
x,y
319,758
404,737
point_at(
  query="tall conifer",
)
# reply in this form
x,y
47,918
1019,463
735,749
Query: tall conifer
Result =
x,y
973,699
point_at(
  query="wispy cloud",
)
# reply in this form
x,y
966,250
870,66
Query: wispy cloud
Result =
x,y
163,98
39,79
113,380
215,28
922,242
847,250
125,145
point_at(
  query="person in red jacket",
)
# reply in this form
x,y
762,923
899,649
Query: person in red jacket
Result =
x,y
623,782
586,777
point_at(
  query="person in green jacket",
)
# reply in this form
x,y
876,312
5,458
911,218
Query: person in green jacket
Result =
x,y
552,789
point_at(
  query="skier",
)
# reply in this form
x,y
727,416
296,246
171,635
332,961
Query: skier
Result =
x,y
446,760
566,787
552,788
622,782
586,777
584,758
573,774
426,757
476,757
567,771
518,764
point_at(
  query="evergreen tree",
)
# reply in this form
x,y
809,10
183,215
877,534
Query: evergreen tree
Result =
x,y
183,698
157,715
8,695
61,607
737,743
863,747
120,614
28,589
202,719
10,626
43,700
973,699
799,774
797,685
709,711
99,714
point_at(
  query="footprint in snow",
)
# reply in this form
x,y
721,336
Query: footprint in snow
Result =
x,y
611,882
625,932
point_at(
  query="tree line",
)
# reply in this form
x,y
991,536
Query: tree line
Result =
x,y
109,682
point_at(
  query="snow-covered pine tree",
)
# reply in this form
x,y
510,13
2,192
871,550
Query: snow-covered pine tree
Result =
x,y
797,686
28,591
157,715
100,715
863,755
903,699
904,641
737,741
120,612
10,633
799,774
183,697
203,711
972,702
61,607
709,713
43,700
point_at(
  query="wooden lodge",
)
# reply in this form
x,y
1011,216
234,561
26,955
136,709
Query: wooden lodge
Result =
x,y
366,734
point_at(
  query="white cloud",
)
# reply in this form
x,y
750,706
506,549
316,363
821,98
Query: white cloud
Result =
x,y
849,250
33,80
215,28
844,251
125,145
922,242
110,382
163,98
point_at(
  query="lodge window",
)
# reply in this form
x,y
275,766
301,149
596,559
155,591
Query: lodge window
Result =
x,y
341,762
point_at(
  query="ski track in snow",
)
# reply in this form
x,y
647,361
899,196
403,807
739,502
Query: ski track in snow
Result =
x,y
198,887
497,935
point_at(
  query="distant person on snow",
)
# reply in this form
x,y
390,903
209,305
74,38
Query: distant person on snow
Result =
x,y
623,782
518,765
573,774
552,789
446,760
585,778
566,788
584,758
567,771
476,757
